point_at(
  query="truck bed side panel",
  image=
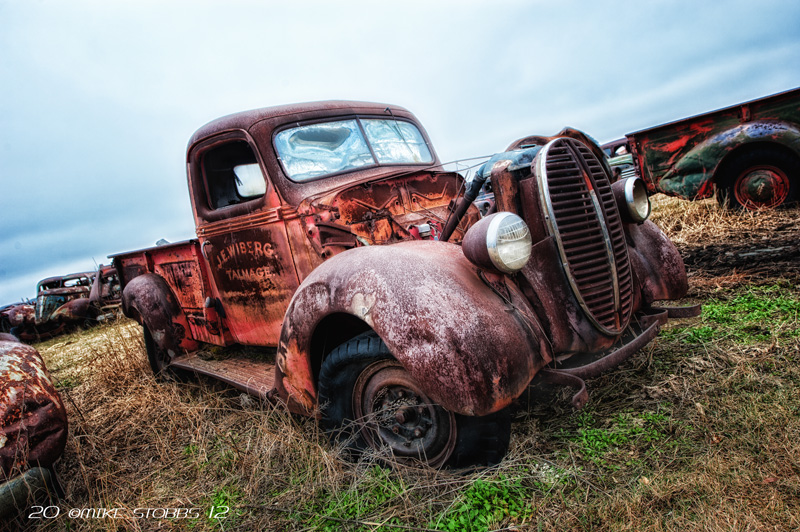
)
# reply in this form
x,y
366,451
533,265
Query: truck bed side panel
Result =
x,y
659,149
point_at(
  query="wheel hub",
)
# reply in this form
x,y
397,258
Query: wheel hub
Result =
x,y
398,415
762,187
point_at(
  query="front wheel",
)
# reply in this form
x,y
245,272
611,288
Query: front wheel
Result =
x,y
369,401
762,178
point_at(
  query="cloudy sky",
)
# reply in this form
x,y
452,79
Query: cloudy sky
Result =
x,y
98,98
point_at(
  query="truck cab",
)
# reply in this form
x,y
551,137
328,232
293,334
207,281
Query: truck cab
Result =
x,y
330,236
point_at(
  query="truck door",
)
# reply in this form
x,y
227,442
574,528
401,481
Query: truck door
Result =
x,y
242,236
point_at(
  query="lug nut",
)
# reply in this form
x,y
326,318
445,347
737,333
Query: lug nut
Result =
x,y
418,433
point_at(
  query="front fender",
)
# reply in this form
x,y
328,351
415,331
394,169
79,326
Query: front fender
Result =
x,y
469,349
691,176
150,301
72,311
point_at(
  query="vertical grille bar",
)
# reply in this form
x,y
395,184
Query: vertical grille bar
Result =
x,y
582,215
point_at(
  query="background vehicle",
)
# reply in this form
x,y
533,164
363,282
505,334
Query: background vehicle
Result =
x,y
330,235
62,301
749,153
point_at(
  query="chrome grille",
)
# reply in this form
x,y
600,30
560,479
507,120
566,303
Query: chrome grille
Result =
x,y
583,217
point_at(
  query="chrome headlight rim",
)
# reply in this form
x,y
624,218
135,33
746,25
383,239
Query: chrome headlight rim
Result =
x,y
492,242
635,189
633,202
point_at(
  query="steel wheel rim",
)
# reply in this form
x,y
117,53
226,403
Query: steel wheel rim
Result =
x,y
761,187
396,414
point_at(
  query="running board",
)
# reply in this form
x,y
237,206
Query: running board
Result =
x,y
250,376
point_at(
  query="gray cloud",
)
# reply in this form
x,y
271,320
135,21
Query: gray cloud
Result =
x,y
99,98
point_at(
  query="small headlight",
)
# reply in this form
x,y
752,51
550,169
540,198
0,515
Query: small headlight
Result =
x,y
632,200
500,242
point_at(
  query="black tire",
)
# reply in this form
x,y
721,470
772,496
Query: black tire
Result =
x,y
159,361
361,372
760,178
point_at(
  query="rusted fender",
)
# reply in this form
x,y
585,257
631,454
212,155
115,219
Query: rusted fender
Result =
x,y
469,349
692,175
657,266
72,311
149,300
33,422
22,316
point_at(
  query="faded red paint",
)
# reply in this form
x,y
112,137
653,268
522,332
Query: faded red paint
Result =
x,y
33,421
690,158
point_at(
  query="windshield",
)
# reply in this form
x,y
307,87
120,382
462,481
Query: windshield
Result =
x,y
316,150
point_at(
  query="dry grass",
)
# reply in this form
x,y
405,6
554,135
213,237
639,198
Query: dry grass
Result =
x,y
700,222
699,431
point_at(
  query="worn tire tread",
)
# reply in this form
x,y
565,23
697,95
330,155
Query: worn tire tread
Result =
x,y
480,441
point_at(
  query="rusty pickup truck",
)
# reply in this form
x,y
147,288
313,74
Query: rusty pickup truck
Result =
x,y
333,241
749,154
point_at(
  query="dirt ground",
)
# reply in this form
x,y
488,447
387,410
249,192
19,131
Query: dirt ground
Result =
x,y
764,252
742,245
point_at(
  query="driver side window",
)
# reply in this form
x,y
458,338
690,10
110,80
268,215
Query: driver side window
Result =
x,y
232,174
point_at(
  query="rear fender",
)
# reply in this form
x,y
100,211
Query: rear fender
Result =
x,y
692,176
149,300
470,349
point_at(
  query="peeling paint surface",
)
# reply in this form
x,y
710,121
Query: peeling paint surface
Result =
x,y
33,422
683,158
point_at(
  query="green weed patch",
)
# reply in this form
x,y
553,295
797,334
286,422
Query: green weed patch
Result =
x,y
485,504
753,314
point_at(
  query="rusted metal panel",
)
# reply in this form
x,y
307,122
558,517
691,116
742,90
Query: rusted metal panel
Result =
x,y
437,316
33,422
683,158
657,265
149,299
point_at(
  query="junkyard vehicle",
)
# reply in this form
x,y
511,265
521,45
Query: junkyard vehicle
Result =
x,y
12,309
79,298
330,234
33,428
748,153
62,299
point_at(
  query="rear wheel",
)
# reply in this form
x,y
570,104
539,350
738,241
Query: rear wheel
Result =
x,y
762,178
159,360
369,401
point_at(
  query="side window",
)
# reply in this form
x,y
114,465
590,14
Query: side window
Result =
x,y
232,174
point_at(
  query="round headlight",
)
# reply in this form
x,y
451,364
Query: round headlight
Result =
x,y
500,242
632,200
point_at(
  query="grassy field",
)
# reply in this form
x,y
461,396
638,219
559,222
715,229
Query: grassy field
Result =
x,y
698,431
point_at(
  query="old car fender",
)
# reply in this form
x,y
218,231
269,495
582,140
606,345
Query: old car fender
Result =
x,y
33,421
149,300
472,345
657,265
692,176
72,311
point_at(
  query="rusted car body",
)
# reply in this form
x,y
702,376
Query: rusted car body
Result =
x,y
33,425
15,314
331,234
79,298
748,153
